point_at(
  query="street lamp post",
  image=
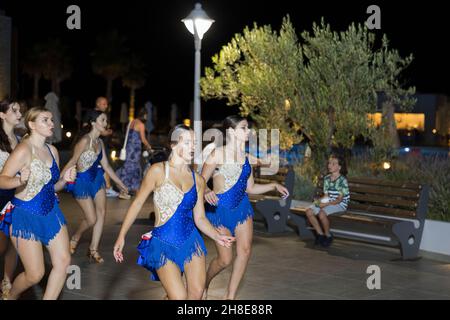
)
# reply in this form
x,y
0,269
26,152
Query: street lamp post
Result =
x,y
197,22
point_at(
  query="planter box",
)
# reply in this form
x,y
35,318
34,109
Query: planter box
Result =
x,y
436,237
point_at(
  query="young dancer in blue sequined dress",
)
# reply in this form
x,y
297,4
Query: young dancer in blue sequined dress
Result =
x,y
175,245
36,219
89,187
229,208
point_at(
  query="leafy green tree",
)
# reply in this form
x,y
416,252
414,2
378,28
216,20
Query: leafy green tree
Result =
x,y
322,87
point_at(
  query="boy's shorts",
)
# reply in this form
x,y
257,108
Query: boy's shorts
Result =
x,y
334,208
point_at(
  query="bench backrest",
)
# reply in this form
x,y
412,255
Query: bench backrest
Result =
x,y
284,176
382,197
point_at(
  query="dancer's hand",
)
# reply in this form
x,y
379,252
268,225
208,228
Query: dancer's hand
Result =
x,y
211,197
24,175
118,247
70,174
282,189
224,240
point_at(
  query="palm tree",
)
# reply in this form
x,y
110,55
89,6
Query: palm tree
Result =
x,y
134,78
56,63
108,58
32,66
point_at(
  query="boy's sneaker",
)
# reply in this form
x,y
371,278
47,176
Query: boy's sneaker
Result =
x,y
327,241
319,239
110,193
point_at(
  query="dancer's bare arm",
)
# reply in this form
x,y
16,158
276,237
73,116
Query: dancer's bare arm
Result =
x,y
107,167
256,188
207,171
78,149
66,176
154,176
18,161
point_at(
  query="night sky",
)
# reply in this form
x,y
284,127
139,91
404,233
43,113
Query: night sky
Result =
x,y
154,29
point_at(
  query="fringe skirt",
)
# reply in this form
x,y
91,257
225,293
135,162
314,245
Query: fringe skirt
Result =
x,y
154,253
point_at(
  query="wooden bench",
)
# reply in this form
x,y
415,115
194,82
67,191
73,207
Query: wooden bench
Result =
x,y
380,212
271,206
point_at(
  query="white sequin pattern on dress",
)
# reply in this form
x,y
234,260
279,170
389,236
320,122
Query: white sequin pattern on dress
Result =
x,y
3,157
40,175
87,158
231,173
167,198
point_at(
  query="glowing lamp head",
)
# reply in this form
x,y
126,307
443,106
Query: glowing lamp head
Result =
x,y
198,22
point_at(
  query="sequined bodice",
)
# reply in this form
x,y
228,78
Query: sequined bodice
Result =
x,y
231,197
40,176
3,157
179,223
231,173
167,197
88,158
40,197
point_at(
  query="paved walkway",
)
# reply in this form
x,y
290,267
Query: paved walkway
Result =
x,y
281,267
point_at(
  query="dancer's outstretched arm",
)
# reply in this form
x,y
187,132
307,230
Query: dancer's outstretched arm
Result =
x,y
68,175
207,171
256,188
107,167
154,174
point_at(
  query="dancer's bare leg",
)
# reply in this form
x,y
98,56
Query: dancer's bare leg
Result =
x,y
10,263
90,217
60,256
100,211
244,237
32,257
172,281
220,262
195,272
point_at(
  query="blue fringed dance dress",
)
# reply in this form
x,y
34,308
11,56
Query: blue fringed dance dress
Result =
x,y
90,175
233,207
177,239
38,216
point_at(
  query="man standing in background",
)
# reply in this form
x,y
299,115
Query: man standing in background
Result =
x,y
101,104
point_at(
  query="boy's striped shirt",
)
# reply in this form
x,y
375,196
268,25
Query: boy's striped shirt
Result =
x,y
336,188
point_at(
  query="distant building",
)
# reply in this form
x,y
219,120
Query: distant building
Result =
x,y
5,55
427,123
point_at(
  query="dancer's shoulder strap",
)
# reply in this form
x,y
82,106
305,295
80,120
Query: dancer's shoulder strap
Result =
x,y
166,167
